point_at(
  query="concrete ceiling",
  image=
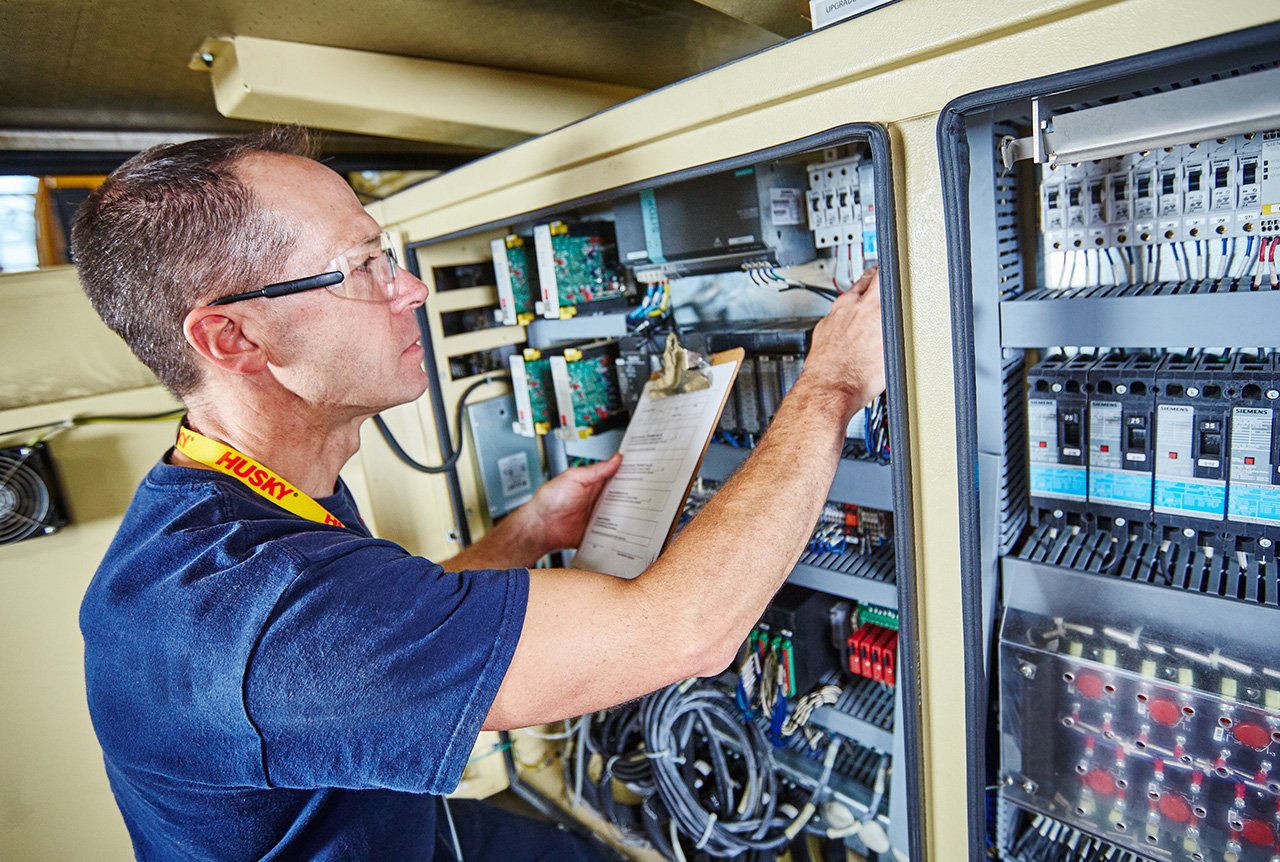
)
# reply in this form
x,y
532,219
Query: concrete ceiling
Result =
x,y
121,65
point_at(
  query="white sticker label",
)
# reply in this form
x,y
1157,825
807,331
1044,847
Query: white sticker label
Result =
x,y
514,470
786,206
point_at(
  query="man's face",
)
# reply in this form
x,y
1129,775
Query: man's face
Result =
x,y
351,355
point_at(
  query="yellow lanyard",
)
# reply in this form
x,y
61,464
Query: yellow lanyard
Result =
x,y
255,476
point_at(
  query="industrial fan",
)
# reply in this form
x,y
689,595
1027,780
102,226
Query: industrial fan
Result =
x,y
30,500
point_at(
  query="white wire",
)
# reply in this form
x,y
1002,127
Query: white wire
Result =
x,y
453,830
1246,263
571,727
675,841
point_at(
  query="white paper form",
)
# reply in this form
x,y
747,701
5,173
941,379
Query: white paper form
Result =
x,y
660,451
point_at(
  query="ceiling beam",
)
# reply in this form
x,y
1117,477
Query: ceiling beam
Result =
x,y
268,80
786,18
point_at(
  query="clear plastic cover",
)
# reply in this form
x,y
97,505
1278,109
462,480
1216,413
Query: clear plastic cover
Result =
x,y
1154,734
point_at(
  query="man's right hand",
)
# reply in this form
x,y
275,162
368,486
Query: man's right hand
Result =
x,y
847,356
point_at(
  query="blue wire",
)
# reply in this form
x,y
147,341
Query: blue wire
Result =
x,y
775,726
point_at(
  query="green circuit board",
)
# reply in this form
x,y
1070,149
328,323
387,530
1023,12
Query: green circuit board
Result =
x,y
541,392
583,272
596,396
522,266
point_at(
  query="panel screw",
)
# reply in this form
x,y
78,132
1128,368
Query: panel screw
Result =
x,y
1273,394
1188,532
1192,391
1264,543
1121,389
1120,522
1057,387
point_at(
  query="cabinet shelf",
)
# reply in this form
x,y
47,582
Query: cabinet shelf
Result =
x,y
1191,314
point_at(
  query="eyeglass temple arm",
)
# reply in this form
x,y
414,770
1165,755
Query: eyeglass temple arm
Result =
x,y
284,288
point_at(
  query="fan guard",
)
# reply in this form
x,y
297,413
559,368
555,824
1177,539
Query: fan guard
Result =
x,y
25,500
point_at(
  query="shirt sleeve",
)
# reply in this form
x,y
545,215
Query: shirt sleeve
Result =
x,y
376,668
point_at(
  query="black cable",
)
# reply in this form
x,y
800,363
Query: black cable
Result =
x,y
829,295
76,421
449,462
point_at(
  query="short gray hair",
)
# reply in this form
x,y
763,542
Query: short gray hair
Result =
x,y
172,229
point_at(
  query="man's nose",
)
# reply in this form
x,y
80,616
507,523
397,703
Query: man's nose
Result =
x,y
411,292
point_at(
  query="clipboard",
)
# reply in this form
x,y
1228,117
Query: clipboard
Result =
x,y
737,355
627,546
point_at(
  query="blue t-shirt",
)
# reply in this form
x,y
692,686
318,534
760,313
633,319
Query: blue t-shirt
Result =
x,y
265,687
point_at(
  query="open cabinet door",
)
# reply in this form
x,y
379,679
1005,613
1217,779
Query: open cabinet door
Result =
x,y
1111,232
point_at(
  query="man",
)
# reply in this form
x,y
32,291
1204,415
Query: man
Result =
x,y
266,679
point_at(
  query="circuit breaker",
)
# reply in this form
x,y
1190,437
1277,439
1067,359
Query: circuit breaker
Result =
x,y
1121,412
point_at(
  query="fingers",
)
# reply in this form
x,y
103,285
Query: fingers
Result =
x,y
868,279
599,472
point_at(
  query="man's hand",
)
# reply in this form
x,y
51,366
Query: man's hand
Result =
x,y
847,356
559,511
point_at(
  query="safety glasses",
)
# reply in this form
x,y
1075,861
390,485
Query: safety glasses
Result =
x,y
366,273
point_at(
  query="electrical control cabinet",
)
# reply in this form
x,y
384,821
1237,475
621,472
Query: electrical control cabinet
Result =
x,y
731,255
1132,704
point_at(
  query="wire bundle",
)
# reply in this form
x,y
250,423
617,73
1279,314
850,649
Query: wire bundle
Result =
x,y
727,802
763,273
1125,268
656,302
877,428
706,776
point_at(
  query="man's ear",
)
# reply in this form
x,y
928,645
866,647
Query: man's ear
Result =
x,y
218,335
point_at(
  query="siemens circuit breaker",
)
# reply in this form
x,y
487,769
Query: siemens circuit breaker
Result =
x,y
1056,432
1253,495
1120,405
1191,439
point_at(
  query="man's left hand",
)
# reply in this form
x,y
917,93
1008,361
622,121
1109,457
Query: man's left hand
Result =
x,y
561,508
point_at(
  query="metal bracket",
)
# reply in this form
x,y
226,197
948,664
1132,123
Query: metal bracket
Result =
x,y
1231,106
